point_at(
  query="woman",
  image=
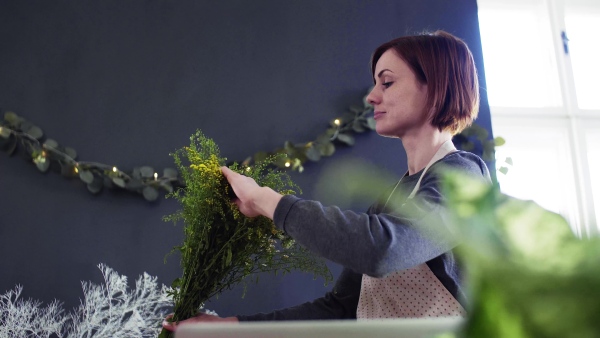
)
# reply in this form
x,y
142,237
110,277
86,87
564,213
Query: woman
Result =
x,y
398,258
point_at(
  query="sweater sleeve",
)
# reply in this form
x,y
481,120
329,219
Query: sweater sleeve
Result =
x,y
400,237
340,303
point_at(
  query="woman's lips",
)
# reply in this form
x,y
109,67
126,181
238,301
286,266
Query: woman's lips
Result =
x,y
377,114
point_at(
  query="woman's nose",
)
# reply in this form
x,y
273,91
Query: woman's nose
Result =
x,y
373,97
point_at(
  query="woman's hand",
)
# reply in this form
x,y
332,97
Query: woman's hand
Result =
x,y
201,318
252,199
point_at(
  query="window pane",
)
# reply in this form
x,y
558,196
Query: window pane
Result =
x,y
542,165
593,157
583,25
518,53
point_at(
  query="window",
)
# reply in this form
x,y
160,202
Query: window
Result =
x,y
541,73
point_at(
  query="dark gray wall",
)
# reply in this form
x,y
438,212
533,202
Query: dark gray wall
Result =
x,y
127,82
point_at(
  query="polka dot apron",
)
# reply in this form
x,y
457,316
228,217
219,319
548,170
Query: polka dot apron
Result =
x,y
410,293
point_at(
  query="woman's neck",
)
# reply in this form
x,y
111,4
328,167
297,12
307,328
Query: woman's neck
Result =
x,y
421,147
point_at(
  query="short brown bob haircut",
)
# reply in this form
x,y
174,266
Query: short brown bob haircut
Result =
x,y
445,64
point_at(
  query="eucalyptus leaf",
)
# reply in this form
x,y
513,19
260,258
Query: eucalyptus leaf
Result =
x,y
346,138
327,149
503,170
312,153
35,132
357,126
137,174
95,186
11,117
71,153
150,193
119,181
5,132
24,125
43,166
167,186
170,173
509,160
86,176
50,143
371,123
289,146
323,138
147,172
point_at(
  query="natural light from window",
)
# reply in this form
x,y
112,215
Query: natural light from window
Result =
x,y
583,33
518,56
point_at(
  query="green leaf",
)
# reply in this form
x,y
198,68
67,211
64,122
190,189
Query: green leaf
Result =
x,y
119,182
167,186
289,147
371,123
147,172
51,144
95,186
508,160
229,256
312,153
5,132
345,138
150,193
43,165
71,153
86,176
503,170
11,117
326,149
357,126
35,132
499,141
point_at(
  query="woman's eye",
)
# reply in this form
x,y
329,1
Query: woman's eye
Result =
x,y
387,84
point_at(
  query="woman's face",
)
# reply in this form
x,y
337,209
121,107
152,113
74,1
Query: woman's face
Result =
x,y
398,98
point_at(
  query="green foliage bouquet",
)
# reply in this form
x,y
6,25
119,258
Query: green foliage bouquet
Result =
x,y
222,246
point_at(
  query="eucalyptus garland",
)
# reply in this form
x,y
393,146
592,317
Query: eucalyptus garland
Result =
x,y
48,155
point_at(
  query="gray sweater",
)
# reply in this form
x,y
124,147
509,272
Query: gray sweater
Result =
x,y
376,243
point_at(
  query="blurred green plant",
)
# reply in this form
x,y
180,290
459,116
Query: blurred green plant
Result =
x,y
529,275
222,247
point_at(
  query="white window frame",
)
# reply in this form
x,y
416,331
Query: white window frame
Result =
x,y
576,121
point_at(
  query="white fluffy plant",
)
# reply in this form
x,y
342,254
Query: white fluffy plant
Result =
x,y
107,310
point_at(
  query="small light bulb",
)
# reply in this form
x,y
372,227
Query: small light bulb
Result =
x,y
76,170
337,122
287,164
115,169
248,169
155,176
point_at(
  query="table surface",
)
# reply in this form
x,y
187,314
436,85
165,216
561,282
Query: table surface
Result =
x,y
397,328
